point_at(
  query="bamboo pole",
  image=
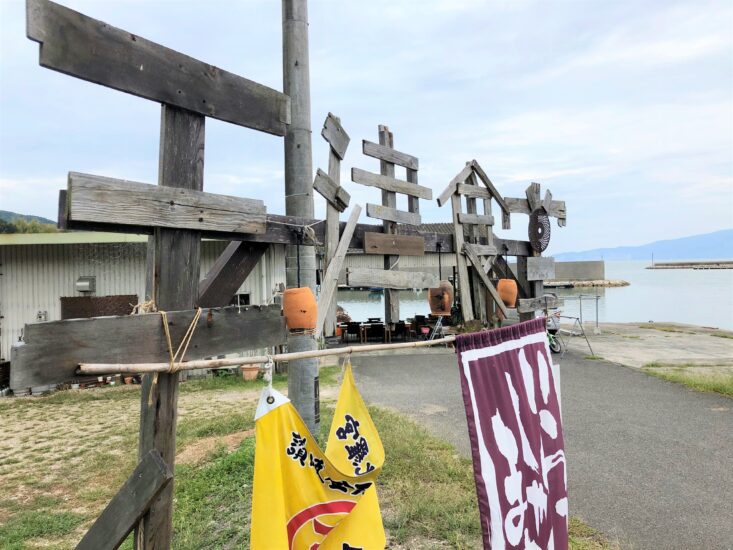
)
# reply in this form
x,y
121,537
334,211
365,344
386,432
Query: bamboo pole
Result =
x,y
135,368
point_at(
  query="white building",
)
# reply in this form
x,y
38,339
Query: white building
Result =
x,y
37,270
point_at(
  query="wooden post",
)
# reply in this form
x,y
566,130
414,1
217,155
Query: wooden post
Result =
x,y
478,293
389,199
175,287
523,282
302,374
464,286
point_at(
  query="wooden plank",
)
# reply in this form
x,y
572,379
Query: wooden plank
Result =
x,y
399,245
392,214
330,278
51,351
475,219
479,269
473,191
431,238
388,183
126,508
229,272
388,154
481,249
413,203
547,201
510,247
453,185
92,50
521,206
489,185
464,286
99,199
365,277
335,135
530,305
389,200
175,257
331,191
533,196
540,268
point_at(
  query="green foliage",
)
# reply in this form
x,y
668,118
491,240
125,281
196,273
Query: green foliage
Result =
x,y
705,378
33,226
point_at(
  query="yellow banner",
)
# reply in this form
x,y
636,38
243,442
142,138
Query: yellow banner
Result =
x,y
305,499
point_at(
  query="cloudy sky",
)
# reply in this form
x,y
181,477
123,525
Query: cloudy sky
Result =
x,y
624,109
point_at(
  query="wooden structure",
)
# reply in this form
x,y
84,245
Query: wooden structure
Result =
x,y
337,200
176,213
481,257
391,244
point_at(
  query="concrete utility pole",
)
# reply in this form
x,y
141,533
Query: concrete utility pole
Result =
x,y
303,373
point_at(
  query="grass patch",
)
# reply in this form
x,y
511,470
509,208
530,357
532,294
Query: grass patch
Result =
x,y
705,378
665,328
722,335
593,357
34,524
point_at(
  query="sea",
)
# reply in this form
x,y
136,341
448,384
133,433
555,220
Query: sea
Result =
x,y
701,297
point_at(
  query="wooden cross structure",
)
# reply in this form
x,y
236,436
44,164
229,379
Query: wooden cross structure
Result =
x,y
177,213
337,200
477,247
389,243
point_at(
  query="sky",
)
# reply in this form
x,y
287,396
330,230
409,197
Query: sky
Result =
x,y
623,109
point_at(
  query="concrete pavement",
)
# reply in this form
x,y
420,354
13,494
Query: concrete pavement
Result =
x,y
650,462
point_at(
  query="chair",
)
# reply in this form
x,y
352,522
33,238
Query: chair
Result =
x,y
400,331
376,330
352,329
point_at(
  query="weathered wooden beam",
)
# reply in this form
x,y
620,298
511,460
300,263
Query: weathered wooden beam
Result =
x,y
473,191
387,183
229,272
510,247
388,154
335,135
505,217
533,196
365,277
481,249
130,503
521,206
464,285
392,214
547,201
453,185
479,269
99,199
331,191
397,245
51,351
330,278
92,50
389,200
475,219
540,268
530,305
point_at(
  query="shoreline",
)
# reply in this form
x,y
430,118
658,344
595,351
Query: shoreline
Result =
x,y
711,264
607,283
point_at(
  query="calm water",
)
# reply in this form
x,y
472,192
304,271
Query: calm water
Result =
x,y
697,297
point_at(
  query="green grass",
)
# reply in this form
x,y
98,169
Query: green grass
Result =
x,y
426,489
722,334
704,378
664,328
593,357
39,523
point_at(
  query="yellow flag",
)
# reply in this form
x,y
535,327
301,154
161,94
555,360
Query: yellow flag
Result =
x,y
305,499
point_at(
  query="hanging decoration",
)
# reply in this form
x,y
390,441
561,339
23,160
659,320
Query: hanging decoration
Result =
x,y
305,499
511,391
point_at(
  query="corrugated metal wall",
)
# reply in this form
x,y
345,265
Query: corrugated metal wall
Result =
x,y
34,277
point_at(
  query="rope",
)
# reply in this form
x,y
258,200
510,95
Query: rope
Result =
x,y
181,350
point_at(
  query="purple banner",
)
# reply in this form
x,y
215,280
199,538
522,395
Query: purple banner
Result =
x,y
511,391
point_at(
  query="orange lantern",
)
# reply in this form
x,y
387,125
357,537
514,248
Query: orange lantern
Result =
x,y
441,298
507,289
300,308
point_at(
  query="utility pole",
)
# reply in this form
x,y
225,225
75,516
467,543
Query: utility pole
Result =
x,y
300,260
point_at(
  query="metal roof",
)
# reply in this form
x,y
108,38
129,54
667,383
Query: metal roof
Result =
x,y
69,237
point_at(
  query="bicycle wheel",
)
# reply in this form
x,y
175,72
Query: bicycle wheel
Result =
x,y
555,346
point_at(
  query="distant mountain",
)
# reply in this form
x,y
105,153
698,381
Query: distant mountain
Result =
x,y
12,216
710,246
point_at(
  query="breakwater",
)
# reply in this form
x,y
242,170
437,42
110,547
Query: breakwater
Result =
x,y
714,264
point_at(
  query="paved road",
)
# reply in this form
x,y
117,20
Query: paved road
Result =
x,y
650,462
